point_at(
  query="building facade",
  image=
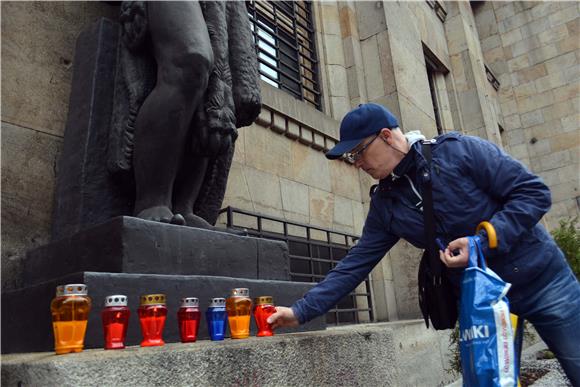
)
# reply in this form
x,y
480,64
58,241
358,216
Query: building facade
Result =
x,y
504,71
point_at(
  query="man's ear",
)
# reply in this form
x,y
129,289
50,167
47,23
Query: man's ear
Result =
x,y
386,135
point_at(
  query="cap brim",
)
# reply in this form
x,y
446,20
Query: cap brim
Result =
x,y
342,148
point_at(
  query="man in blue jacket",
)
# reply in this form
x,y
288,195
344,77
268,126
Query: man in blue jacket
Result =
x,y
472,181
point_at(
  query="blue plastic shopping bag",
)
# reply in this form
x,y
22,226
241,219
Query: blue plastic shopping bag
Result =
x,y
485,332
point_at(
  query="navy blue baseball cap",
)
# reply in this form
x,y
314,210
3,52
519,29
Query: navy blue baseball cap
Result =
x,y
367,119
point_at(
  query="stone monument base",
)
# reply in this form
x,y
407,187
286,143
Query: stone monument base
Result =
x,y
26,318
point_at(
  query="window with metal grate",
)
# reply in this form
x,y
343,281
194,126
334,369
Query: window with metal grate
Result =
x,y
284,38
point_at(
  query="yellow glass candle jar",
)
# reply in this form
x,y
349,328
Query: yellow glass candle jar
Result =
x,y
239,308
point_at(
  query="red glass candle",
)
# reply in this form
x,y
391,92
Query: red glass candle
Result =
x,y
264,308
188,317
152,315
115,317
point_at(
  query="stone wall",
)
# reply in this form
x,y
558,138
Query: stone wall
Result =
x,y
534,49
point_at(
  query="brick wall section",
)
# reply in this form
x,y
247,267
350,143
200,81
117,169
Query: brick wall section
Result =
x,y
534,49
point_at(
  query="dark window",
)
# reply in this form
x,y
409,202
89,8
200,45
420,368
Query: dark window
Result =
x,y
311,258
284,37
434,66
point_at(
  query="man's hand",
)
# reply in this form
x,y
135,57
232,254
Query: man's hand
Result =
x,y
284,317
459,260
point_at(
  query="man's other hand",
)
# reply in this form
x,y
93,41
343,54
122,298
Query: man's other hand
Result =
x,y
459,260
284,317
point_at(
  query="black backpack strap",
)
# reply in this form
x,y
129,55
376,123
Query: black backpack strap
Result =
x,y
428,214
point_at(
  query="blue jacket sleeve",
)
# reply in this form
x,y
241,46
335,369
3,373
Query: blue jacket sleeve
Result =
x,y
350,271
524,196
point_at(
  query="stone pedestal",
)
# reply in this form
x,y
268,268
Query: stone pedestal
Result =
x,y
26,318
131,245
133,257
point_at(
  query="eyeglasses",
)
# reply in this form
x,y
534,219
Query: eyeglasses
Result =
x,y
355,156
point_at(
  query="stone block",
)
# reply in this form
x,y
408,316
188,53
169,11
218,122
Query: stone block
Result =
x,y
372,67
38,47
371,17
344,180
568,44
359,217
330,18
563,141
342,211
264,188
532,118
340,107
525,90
563,16
347,17
294,197
278,123
512,122
570,123
553,34
318,141
537,101
542,54
26,330
554,160
240,149
405,262
308,167
558,110
562,62
306,135
503,10
491,42
511,37
388,352
573,27
524,46
293,131
513,22
321,207
237,187
269,151
519,151
132,245
519,63
515,136
529,74
28,174
535,27
540,148
564,191
333,49
265,117
545,8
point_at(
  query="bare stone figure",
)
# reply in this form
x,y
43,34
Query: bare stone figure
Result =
x,y
191,77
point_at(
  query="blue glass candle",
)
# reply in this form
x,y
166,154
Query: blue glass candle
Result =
x,y
217,318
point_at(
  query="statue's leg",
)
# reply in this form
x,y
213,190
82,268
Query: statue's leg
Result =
x,y
184,59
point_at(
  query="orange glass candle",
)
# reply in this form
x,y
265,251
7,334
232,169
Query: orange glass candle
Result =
x,y
70,314
263,308
115,317
239,308
152,315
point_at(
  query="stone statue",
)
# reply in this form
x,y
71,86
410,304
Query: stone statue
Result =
x,y
189,78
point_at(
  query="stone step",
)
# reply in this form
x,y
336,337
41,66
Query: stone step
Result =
x,y
382,354
26,318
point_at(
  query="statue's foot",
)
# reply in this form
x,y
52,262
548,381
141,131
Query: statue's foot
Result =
x,y
193,220
157,214
178,219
